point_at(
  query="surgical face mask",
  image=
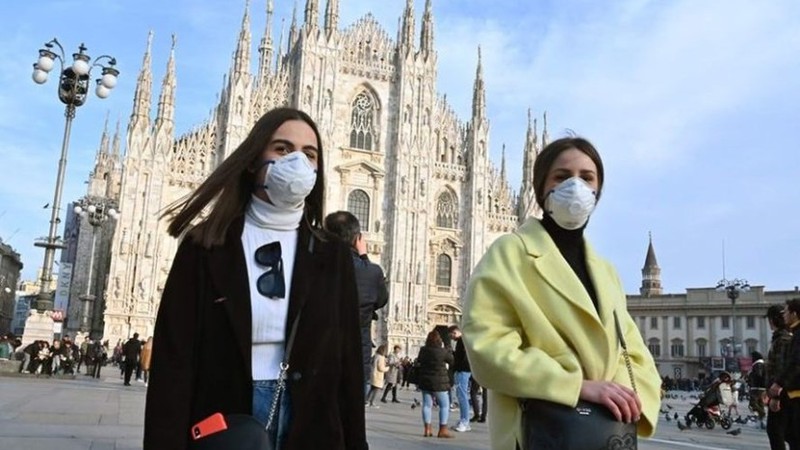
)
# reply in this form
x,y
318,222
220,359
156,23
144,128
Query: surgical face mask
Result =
x,y
289,180
571,203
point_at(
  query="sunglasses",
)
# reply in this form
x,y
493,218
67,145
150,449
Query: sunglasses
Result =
x,y
270,283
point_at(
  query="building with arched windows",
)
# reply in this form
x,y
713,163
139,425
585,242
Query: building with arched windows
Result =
x,y
418,177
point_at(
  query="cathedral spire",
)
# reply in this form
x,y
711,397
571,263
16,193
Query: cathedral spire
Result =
x,y
144,88
166,101
293,28
479,92
279,57
545,136
426,35
407,28
503,165
331,17
312,14
651,273
265,49
241,59
529,156
115,150
103,150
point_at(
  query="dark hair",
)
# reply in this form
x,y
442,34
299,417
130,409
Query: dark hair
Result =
x,y
452,328
381,350
775,316
794,306
434,339
226,192
343,225
756,356
546,159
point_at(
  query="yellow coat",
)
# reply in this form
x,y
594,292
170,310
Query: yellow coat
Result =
x,y
532,331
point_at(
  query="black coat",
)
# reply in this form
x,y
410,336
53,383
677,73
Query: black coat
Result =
x,y
432,369
195,373
371,286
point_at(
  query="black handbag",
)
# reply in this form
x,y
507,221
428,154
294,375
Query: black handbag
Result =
x,y
588,426
243,431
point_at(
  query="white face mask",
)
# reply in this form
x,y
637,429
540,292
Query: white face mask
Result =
x,y
289,180
571,203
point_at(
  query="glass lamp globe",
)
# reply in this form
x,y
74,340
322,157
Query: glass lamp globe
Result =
x,y
101,90
108,80
45,63
92,209
39,76
80,67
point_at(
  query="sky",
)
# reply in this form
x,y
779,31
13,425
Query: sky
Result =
x,y
690,103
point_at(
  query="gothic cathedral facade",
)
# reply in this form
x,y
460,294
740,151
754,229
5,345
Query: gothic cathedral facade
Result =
x,y
418,178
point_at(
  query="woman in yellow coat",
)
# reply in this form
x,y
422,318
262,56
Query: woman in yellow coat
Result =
x,y
538,319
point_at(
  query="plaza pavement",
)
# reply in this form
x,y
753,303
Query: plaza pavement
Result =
x,y
85,414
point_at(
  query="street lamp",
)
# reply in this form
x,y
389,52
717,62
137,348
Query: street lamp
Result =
x,y
96,212
73,88
732,289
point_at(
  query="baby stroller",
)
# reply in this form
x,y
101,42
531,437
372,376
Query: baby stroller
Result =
x,y
707,409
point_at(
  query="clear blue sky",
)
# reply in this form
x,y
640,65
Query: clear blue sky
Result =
x,y
692,105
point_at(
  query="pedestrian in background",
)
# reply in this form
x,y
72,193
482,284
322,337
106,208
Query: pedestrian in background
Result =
x,y
541,309
461,376
434,382
130,351
370,281
379,368
394,362
785,378
147,352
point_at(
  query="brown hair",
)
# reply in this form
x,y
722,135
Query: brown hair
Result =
x,y
226,192
546,159
381,350
434,339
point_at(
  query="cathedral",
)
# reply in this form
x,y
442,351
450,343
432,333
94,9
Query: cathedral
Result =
x,y
418,177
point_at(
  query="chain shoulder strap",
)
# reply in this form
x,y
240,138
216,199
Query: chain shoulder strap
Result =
x,y
625,352
276,398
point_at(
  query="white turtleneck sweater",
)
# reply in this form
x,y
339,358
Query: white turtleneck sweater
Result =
x,y
265,223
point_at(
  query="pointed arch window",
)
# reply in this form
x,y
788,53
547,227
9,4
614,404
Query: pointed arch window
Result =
x,y
358,204
362,122
447,210
444,267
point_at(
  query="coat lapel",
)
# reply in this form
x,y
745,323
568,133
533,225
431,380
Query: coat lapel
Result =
x,y
554,269
228,269
302,275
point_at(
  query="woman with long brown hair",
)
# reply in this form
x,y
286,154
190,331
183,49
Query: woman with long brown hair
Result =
x,y
252,263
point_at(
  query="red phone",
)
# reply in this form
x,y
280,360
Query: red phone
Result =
x,y
208,426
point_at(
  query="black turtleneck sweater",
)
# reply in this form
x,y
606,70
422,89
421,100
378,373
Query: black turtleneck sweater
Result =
x,y
570,244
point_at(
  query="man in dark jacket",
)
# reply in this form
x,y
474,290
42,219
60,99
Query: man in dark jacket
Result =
x,y
787,383
131,350
776,363
370,282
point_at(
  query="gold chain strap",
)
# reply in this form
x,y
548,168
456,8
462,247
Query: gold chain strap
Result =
x,y
625,352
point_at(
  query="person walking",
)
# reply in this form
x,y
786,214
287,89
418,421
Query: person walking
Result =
x,y
434,382
479,401
254,264
776,364
461,377
542,310
130,351
394,362
147,352
379,368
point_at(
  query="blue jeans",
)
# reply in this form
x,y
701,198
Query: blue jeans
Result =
x,y
427,403
263,393
462,393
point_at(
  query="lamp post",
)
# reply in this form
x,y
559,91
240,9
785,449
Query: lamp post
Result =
x,y
73,88
732,290
96,212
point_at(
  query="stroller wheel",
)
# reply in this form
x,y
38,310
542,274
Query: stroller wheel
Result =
x,y
710,424
725,423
